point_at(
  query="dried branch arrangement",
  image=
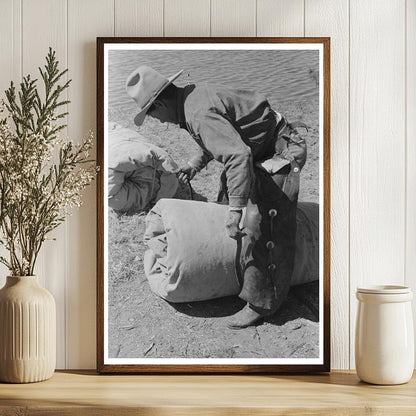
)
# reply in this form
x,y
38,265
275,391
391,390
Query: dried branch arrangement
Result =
x,y
42,176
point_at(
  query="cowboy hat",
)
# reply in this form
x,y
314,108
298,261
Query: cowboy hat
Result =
x,y
144,85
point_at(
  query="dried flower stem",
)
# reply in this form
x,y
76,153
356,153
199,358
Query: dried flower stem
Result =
x,y
36,193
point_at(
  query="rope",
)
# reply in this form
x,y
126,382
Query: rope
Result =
x,y
191,191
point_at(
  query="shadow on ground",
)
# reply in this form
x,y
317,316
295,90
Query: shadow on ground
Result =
x,y
307,294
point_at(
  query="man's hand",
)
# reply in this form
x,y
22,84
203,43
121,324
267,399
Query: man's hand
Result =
x,y
233,225
186,173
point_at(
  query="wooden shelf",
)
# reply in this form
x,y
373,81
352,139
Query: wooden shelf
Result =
x,y
86,393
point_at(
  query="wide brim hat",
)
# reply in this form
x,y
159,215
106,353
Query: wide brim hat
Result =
x,y
144,85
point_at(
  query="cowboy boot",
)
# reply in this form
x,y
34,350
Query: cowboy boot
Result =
x,y
248,316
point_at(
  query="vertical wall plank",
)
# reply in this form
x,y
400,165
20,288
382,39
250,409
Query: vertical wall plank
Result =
x,y
331,18
86,20
187,18
411,149
233,18
6,45
377,152
138,17
280,18
10,44
44,24
10,65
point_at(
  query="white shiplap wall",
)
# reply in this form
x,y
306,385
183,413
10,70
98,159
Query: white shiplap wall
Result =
x,y
373,128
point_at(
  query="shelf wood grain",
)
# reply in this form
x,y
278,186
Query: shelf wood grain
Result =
x,y
86,393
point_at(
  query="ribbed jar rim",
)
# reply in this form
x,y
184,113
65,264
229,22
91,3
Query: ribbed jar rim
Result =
x,y
384,289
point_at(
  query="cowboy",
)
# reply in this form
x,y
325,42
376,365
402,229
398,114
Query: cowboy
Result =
x,y
262,156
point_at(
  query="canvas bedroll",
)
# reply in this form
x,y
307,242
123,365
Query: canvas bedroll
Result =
x,y
138,172
190,257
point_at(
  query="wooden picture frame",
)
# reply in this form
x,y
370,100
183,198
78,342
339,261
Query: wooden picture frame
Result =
x,y
119,355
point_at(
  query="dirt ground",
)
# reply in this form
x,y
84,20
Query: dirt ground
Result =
x,y
143,325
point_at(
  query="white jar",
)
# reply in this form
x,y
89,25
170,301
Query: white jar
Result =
x,y
384,337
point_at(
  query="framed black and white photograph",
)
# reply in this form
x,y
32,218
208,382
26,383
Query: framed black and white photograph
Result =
x,y
213,205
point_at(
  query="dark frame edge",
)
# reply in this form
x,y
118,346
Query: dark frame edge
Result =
x,y
100,203
327,202
209,369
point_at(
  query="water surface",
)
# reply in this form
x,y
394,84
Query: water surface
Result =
x,y
282,75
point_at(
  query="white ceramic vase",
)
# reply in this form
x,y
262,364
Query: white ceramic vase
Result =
x,y
27,331
384,341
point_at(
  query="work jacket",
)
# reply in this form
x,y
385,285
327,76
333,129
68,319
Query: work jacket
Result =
x,y
233,126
